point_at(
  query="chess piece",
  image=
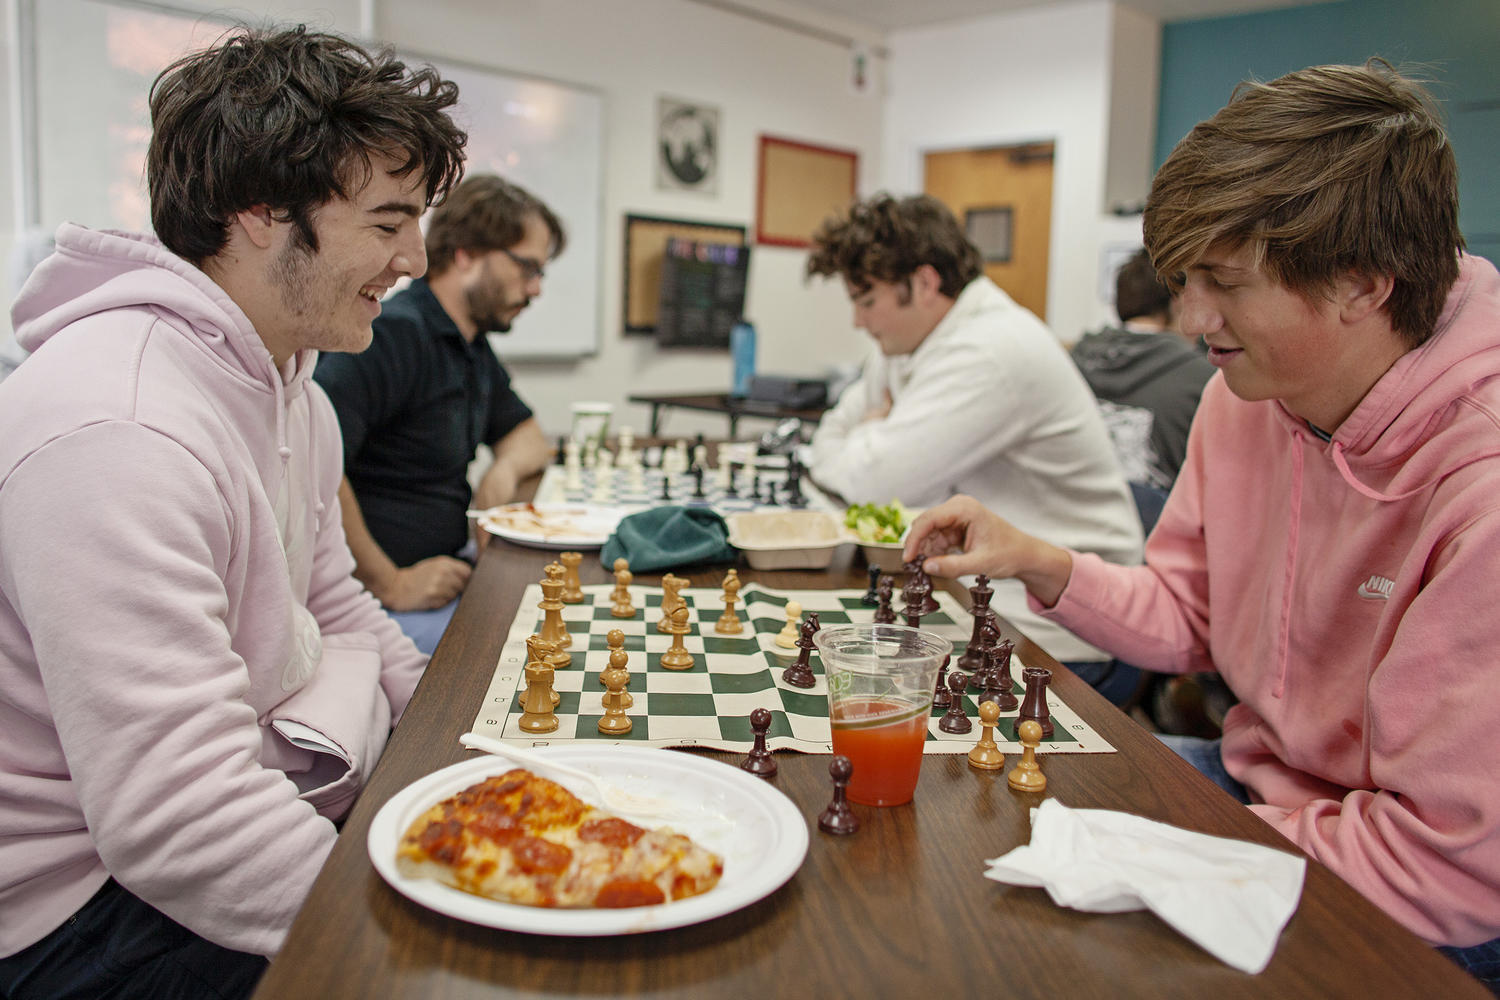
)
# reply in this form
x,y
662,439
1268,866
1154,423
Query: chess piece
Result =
x,y
537,714
1000,679
884,614
794,495
787,637
554,629
620,597
800,673
839,819
1034,702
731,489
626,456
729,622
572,586
678,657
726,472
666,486
562,448
954,720
616,678
1027,775
973,657
697,474
760,762
941,696
670,600
989,638
919,584
871,598
986,755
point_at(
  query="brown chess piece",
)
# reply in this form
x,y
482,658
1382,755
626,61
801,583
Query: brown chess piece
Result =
x,y
954,720
1034,703
620,606
616,678
537,715
729,622
761,762
941,696
884,613
986,754
554,629
678,657
670,600
919,584
572,585
1000,679
973,656
800,673
1027,775
839,819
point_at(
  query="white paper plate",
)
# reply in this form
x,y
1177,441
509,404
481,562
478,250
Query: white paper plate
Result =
x,y
553,525
745,820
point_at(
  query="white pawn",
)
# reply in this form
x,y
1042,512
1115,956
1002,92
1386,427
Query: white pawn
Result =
x,y
603,476
572,467
627,455
700,456
725,472
787,637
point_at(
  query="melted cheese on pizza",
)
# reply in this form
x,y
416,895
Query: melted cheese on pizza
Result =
x,y
520,838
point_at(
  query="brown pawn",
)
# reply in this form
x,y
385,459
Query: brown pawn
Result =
x,y
729,622
941,696
986,754
839,819
616,678
572,585
1034,703
678,657
760,762
1027,775
884,613
620,606
800,673
955,721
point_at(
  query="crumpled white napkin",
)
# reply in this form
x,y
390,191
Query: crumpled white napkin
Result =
x,y
1230,897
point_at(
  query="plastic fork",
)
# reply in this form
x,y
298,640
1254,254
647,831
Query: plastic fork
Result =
x,y
610,795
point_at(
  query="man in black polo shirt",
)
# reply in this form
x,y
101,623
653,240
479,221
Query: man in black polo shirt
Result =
x,y
416,405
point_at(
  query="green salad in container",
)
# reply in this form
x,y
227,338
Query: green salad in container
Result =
x,y
877,522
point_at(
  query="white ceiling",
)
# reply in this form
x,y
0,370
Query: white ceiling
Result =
x,y
892,14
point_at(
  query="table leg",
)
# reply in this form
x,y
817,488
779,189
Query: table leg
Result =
x,y
655,419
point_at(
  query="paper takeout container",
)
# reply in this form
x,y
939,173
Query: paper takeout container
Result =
x,y
793,539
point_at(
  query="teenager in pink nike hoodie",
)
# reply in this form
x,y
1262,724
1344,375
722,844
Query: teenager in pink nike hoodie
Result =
x,y
192,684
1329,547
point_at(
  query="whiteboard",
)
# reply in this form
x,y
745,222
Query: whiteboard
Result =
x,y
94,63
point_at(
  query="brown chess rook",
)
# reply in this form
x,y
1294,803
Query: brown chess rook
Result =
x,y
1034,703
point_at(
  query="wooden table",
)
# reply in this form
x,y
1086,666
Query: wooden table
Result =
x,y
899,909
732,407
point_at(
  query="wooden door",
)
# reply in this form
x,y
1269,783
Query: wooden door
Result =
x,y
1003,195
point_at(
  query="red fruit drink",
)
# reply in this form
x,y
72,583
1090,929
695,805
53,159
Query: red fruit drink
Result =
x,y
883,740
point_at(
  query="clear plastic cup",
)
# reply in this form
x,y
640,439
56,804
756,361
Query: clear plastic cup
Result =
x,y
880,683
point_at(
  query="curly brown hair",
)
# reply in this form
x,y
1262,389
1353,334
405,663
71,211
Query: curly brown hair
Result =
x,y
887,239
486,212
287,118
1322,172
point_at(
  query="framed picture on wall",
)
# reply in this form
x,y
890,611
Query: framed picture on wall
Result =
x,y
800,186
687,146
645,247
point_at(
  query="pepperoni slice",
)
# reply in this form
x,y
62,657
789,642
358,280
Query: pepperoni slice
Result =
x,y
534,855
610,831
628,892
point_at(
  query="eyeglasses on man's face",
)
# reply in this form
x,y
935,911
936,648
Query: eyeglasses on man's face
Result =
x,y
531,268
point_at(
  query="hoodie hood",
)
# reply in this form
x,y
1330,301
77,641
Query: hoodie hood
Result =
x,y
1121,362
96,271
1406,433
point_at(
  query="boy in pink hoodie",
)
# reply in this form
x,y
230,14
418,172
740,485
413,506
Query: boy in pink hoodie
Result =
x,y
193,687
1329,545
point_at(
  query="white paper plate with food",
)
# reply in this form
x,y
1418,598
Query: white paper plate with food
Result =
x,y
552,525
788,539
754,828
881,530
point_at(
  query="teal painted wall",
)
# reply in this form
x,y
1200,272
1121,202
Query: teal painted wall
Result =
x,y
1457,41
